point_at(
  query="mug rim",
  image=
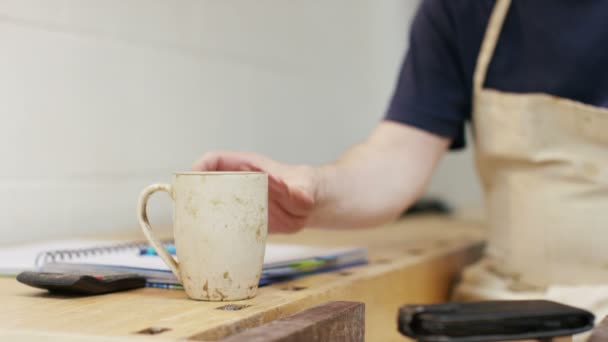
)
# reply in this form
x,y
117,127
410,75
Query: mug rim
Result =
x,y
217,173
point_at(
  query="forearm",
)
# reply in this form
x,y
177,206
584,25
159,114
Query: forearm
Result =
x,y
377,180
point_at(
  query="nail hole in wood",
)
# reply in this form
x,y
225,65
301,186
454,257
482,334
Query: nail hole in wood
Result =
x,y
344,273
233,307
294,288
383,261
152,331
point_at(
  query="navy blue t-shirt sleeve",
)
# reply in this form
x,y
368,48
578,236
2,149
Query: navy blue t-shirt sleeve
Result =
x,y
431,91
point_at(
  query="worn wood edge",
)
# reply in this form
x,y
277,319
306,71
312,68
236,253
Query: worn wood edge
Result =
x,y
335,321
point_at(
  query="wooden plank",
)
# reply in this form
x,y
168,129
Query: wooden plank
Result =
x,y
412,261
335,321
48,336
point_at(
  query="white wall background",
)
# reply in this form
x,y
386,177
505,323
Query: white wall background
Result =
x,y
100,98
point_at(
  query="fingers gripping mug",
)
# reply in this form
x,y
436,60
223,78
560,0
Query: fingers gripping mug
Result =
x,y
220,224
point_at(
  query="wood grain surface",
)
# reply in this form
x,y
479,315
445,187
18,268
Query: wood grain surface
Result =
x,y
412,261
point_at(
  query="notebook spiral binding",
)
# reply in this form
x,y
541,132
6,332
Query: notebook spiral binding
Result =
x,y
69,254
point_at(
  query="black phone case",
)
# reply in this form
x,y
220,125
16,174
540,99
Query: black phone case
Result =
x,y
492,321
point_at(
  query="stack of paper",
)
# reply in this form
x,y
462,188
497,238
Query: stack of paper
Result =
x,y
282,261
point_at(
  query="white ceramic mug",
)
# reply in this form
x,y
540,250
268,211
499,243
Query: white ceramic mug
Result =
x,y
220,224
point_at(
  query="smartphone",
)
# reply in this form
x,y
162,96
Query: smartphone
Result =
x,y
492,321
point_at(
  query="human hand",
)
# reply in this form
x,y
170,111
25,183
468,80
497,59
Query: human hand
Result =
x,y
291,188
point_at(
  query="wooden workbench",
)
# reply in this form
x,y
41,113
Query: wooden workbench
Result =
x,y
414,260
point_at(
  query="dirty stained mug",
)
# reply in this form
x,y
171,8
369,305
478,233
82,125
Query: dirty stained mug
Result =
x,y
220,224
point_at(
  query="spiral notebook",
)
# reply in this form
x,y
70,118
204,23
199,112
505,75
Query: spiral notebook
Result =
x,y
281,261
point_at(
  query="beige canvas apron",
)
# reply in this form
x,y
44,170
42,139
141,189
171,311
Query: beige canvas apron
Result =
x,y
543,164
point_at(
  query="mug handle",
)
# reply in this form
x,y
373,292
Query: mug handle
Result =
x,y
142,215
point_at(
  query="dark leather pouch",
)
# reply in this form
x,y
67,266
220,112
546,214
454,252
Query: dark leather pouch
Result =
x,y
492,321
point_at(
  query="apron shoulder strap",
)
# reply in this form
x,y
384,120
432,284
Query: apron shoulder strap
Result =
x,y
488,44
